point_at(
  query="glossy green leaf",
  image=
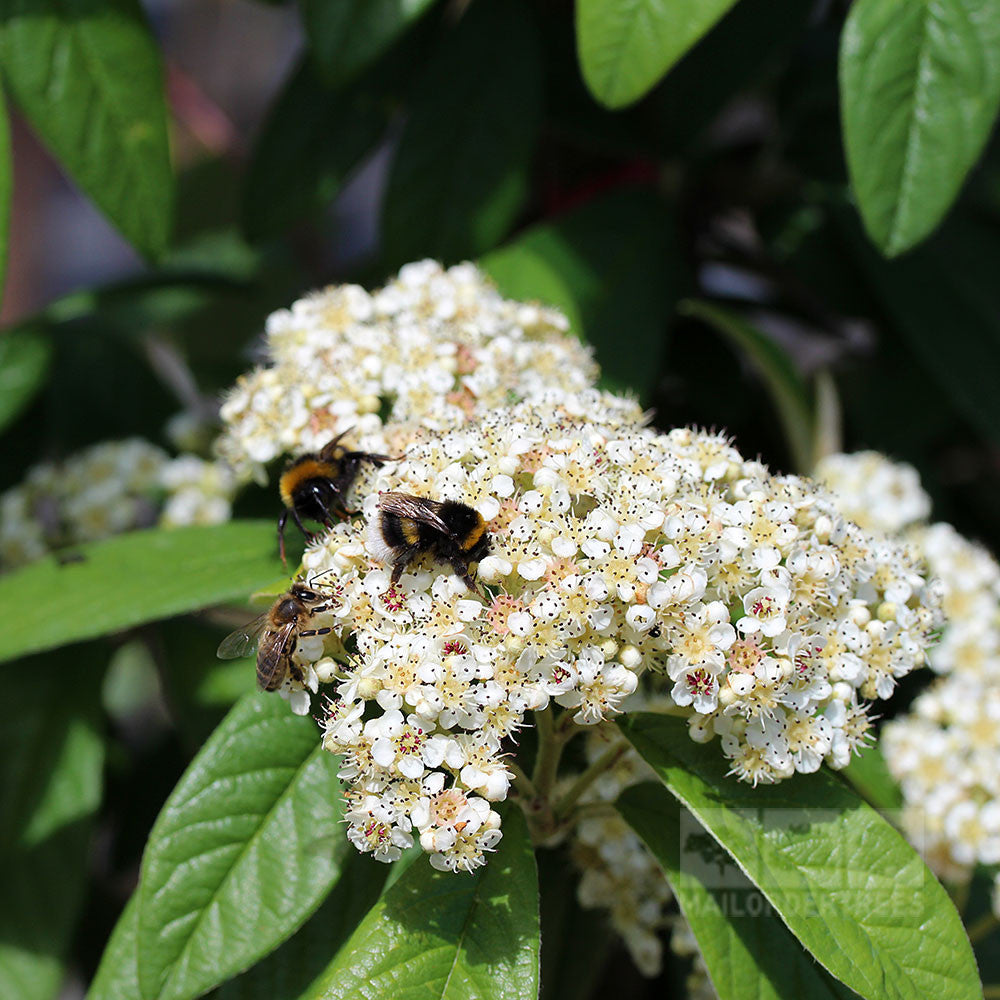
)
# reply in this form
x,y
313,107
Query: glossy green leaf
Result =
x,y
6,192
246,847
749,952
625,46
292,971
346,36
313,138
134,578
920,89
610,266
846,884
871,778
88,75
445,936
784,383
51,760
25,354
460,175
117,976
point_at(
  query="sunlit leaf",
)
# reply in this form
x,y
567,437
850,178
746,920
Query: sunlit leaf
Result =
x,y
625,46
245,848
920,90
89,77
292,970
844,882
749,952
134,578
444,936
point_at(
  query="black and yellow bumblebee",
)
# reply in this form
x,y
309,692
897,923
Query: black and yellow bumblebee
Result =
x,y
406,526
313,486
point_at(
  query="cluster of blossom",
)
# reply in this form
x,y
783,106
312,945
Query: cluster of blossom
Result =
x,y
104,490
434,347
875,493
615,550
945,751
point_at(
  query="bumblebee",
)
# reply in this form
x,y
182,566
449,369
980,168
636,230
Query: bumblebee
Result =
x,y
274,634
406,525
313,486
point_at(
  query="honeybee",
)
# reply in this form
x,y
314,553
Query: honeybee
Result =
x,y
407,525
274,633
313,486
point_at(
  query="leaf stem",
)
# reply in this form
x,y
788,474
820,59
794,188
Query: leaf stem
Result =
x,y
524,783
607,760
982,928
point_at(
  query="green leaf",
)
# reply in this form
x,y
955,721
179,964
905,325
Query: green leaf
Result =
x,y
51,761
293,970
871,778
6,191
448,936
610,266
312,139
134,578
749,952
920,89
25,354
88,75
247,846
625,46
117,976
347,36
788,390
841,878
460,175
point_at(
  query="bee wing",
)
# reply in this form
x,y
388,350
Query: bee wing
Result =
x,y
415,508
273,656
243,641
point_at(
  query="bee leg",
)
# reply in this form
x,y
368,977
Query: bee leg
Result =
x,y
315,631
401,562
461,569
329,518
282,521
298,520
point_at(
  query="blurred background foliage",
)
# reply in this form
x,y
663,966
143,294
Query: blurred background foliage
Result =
x,y
777,218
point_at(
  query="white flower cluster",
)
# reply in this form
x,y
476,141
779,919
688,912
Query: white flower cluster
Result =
x,y
874,492
434,347
945,752
104,490
615,550
197,491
